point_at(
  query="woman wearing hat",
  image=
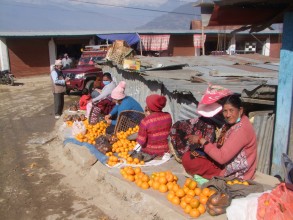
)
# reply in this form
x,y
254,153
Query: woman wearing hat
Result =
x,y
58,88
234,154
155,127
209,119
123,103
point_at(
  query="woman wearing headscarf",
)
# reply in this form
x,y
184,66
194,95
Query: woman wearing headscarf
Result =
x,y
208,121
235,152
123,103
155,127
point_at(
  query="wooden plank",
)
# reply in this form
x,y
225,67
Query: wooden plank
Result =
x,y
259,101
284,96
216,73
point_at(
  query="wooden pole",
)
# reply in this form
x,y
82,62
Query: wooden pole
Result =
x,y
202,40
284,97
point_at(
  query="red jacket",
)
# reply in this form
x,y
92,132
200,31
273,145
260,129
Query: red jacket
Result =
x,y
83,101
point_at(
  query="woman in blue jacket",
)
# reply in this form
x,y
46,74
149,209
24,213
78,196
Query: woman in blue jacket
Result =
x,y
123,103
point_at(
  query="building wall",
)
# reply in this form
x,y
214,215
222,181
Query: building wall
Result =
x,y
28,56
181,45
275,47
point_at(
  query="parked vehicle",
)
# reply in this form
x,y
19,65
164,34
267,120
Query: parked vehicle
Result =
x,y
6,77
86,72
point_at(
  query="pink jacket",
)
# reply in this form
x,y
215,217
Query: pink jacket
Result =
x,y
239,152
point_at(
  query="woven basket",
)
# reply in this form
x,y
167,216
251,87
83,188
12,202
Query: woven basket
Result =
x,y
128,119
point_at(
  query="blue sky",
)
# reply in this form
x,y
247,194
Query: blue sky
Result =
x,y
52,15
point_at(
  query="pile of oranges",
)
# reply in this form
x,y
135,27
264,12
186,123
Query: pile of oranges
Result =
x,y
113,160
92,132
163,181
136,175
236,181
191,198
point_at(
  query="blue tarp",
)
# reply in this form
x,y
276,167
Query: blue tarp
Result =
x,y
131,39
101,157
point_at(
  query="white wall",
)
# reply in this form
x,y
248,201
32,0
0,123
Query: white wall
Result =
x,y
4,58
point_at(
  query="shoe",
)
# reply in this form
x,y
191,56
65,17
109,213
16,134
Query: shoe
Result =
x,y
57,116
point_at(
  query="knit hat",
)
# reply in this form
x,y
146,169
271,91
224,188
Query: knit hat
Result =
x,y
214,93
208,110
58,63
156,102
119,92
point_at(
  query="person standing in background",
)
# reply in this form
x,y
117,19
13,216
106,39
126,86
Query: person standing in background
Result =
x,y
66,62
58,88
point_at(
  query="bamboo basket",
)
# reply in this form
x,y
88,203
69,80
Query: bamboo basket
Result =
x,y
128,119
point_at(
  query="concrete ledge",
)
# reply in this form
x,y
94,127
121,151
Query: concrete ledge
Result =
x,y
134,202
80,155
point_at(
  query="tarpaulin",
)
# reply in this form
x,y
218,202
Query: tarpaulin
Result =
x,y
197,40
155,42
100,156
131,39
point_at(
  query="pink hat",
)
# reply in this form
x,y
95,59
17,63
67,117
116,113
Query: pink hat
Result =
x,y
214,93
156,102
209,110
118,92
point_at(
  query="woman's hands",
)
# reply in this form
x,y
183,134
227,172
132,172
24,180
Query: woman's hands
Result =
x,y
107,119
195,139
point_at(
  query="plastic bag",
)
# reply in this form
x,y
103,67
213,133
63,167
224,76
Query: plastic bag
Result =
x,y
218,202
277,205
78,128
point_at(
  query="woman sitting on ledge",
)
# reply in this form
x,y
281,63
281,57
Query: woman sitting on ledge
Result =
x,y
235,152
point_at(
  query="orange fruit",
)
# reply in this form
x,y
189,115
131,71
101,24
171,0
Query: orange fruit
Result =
x,y
203,199
197,191
130,171
145,185
194,203
192,185
180,193
245,183
187,209
163,188
188,198
170,196
150,182
145,178
162,180
175,200
156,185
185,189
191,192
169,185
136,160
201,208
187,181
169,177
183,204
194,213
137,170
139,182
141,162
205,191
175,187
130,178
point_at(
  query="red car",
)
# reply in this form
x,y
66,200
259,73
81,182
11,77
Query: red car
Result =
x,y
86,73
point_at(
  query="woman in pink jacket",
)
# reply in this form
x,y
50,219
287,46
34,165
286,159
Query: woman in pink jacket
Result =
x,y
234,153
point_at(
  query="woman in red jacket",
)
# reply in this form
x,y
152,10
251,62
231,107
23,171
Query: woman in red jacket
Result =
x,y
234,153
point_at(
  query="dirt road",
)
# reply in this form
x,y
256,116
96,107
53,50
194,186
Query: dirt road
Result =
x,y
30,188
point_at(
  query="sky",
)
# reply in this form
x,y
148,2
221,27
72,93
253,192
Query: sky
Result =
x,y
50,15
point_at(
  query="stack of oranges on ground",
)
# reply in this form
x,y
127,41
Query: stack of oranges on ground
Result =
x,y
122,145
134,161
92,132
135,175
163,181
113,160
191,198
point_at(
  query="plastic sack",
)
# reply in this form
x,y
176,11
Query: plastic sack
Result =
x,y
78,128
218,202
277,205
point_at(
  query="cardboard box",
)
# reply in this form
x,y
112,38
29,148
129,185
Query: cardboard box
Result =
x,y
131,64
